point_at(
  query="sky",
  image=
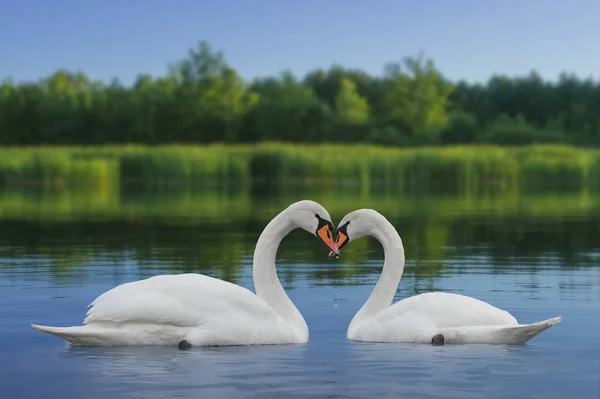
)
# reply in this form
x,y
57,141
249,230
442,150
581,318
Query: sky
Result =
x,y
467,39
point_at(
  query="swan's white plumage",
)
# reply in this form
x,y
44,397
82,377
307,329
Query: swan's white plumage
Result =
x,y
448,310
417,319
181,300
205,311
461,319
169,308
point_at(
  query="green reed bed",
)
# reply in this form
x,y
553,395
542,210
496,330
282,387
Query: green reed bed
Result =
x,y
557,166
178,166
49,167
462,167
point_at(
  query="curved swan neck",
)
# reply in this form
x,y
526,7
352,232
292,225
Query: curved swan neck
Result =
x,y
266,282
383,294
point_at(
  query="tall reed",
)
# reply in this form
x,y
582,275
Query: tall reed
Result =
x,y
463,168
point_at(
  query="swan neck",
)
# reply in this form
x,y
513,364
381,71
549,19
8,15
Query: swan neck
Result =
x,y
383,294
266,282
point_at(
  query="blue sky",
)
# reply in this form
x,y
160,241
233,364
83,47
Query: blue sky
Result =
x,y
467,39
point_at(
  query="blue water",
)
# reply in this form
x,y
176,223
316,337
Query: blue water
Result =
x,y
51,270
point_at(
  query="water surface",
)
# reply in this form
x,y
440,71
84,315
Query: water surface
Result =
x,y
535,255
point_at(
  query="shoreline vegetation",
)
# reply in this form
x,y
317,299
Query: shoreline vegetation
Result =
x,y
202,99
365,167
408,129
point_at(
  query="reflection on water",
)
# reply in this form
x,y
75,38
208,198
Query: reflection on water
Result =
x,y
536,255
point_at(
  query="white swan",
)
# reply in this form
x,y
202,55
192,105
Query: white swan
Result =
x,y
198,310
434,317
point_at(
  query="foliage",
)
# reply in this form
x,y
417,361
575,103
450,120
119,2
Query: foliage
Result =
x,y
202,99
438,168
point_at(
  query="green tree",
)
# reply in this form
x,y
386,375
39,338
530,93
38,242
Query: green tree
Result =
x,y
202,99
327,84
288,111
211,98
350,107
416,100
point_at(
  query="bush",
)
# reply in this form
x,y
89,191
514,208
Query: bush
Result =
x,y
507,131
462,128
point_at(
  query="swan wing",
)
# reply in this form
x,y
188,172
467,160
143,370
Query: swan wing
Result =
x,y
446,310
459,318
184,300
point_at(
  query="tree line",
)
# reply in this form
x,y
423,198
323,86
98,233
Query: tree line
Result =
x,y
202,99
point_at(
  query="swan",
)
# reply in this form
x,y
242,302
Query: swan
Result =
x,y
433,318
197,310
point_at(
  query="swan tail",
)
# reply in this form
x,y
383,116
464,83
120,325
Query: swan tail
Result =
x,y
522,333
516,334
77,335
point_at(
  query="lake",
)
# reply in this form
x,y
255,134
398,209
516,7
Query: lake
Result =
x,y
536,255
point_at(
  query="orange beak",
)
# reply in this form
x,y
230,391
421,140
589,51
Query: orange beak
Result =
x,y
325,235
341,239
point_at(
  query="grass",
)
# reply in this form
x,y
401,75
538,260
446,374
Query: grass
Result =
x,y
465,168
